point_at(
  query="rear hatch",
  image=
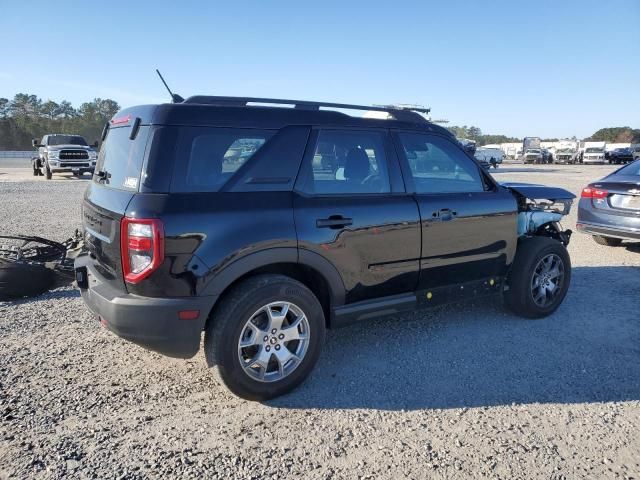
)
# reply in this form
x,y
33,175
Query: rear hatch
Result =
x,y
116,180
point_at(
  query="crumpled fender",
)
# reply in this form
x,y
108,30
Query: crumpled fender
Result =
x,y
538,192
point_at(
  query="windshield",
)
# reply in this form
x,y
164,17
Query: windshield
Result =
x,y
533,151
66,140
594,150
566,150
631,169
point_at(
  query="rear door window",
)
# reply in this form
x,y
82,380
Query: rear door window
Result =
x,y
120,158
347,162
206,158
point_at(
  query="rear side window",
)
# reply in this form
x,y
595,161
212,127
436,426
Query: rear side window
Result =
x,y
631,169
347,162
206,158
120,158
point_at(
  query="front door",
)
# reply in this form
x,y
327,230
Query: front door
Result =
x,y
469,224
351,208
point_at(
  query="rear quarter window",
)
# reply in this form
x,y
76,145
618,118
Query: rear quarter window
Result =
x,y
121,159
207,157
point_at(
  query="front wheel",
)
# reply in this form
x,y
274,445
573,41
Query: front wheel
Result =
x,y
265,336
539,278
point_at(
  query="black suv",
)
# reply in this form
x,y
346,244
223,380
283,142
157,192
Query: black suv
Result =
x,y
263,225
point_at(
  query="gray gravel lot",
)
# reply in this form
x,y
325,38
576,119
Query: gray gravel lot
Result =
x,y
464,391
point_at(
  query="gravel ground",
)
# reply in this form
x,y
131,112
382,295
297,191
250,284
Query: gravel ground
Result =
x,y
465,391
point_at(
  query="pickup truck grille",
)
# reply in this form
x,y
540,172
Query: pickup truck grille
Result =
x,y
74,155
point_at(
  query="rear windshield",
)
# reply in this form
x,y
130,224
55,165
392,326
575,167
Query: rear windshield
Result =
x,y
631,169
66,140
208,157
120,159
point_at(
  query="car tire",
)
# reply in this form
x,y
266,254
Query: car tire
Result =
x,y
19,280
241,315
533,291
48,173
607,241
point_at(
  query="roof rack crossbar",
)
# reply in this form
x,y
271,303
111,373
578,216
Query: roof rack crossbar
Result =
x,y
396,110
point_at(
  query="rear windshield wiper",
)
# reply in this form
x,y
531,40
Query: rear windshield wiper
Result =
x,y
102,175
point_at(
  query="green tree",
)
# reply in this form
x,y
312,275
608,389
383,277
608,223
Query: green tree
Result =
x,y
27,116
616,135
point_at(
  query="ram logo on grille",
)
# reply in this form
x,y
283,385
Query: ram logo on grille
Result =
x,y
73,155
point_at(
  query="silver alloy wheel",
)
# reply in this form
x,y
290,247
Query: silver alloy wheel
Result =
x,y
548,277
274,341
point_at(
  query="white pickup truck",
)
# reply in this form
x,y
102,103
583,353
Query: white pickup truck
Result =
x,y
593,152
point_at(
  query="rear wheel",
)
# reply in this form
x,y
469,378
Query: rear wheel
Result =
x,y
607,241
265,336
539,278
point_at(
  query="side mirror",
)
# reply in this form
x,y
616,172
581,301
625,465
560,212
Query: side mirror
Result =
x,y
95,144
35,142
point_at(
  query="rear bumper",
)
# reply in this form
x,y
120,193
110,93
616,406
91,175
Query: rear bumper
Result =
x,y
608,231
152,323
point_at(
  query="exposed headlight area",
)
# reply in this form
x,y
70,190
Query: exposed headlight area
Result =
x,y
53,154
93,155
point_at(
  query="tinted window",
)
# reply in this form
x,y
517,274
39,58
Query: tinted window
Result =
x,y
439,166
207,157
347,162
121,158
66,140
631,169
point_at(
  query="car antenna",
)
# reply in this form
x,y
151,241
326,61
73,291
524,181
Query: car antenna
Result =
x,y
175,98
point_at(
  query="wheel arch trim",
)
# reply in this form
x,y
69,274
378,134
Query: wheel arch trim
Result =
x,y
272,256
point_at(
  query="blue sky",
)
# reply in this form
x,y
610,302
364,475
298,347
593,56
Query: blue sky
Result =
x,y
539,67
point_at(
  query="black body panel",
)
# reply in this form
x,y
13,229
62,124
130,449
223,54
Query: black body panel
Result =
x,y
102,210
466,237
377,252
207,232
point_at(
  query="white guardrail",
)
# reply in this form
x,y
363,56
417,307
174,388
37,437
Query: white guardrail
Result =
x,y
17,154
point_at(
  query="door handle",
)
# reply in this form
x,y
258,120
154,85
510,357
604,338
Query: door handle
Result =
x,y
334,222
445,214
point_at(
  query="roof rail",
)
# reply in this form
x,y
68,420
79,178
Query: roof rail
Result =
x,y
407,113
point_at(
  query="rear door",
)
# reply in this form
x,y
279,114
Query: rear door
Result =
x,y
469,225
351,208
114,184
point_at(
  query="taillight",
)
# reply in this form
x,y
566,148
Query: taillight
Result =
x,y
141,246
592,192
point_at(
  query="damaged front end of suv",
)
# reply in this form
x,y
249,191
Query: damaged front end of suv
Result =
x,y
540,210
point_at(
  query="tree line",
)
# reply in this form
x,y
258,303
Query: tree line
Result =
x,y
26,117
609,135
474,133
